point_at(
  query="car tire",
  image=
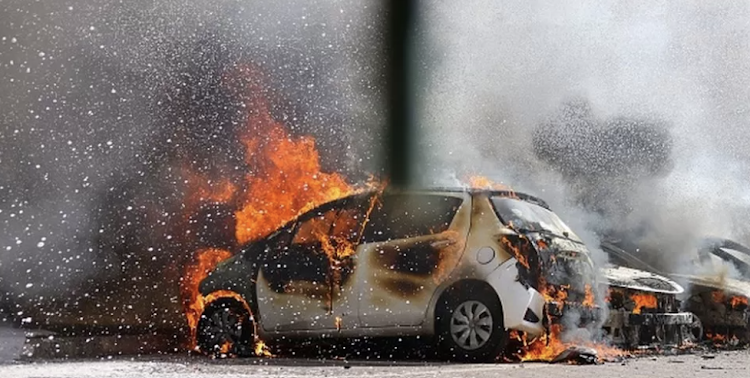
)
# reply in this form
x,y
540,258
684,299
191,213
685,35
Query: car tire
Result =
x,y
470,327
225,329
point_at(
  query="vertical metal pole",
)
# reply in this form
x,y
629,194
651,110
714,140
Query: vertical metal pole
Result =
x,y
398,100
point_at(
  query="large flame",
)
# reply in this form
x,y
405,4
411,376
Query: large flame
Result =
x,y
284,178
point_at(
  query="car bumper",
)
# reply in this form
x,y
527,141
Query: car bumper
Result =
x,y
621,319
523,306
615,318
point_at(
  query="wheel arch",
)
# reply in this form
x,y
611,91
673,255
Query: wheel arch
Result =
x,y
238,277
219,297
459,288
223,301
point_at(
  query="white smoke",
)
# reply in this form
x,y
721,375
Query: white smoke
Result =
x,y
498,69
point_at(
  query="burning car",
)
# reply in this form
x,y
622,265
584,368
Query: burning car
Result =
x,y
719,301
644,310
466,267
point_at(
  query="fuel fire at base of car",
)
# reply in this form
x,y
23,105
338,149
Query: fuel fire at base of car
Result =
x,y
548,347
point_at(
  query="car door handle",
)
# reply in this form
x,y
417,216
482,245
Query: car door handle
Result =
x,y
442,243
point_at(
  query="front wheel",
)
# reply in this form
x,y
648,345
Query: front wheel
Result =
x,y
470,328
225,328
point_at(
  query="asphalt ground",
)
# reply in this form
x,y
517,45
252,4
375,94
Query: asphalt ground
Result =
x,y
730,364
403,364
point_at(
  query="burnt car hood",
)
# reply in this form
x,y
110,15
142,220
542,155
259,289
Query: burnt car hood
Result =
x,y
726,284
635,279
718,247
729,251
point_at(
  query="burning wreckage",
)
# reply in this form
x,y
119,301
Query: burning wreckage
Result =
x,y
718,299
485,273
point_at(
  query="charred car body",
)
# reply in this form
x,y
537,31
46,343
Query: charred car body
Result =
x,y
718,299
462,266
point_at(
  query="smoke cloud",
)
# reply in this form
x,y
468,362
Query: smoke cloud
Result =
x,y
106,104
628,117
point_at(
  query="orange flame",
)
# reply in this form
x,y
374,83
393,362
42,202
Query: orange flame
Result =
x,y
555,294
549,346
735,302
588,300
225,348
718,296
546,347
716,337
738,302
482,182
261,349
193,302
286,177
517,253
643,300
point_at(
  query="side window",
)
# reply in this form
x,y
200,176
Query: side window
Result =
x,y
349,222
311,230
300,267
403,216
304,265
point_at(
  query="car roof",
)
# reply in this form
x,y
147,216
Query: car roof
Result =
x,y
432,190
471,191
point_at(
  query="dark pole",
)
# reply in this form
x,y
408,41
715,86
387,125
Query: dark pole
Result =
x,y
398,122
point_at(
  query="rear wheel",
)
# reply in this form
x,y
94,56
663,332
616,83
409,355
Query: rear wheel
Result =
x,y
470,327
225,328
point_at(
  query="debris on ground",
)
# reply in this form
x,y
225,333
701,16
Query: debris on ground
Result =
x,y
578,355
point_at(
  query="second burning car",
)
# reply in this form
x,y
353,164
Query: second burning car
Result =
x,y
462,266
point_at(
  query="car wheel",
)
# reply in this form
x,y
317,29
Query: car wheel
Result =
x,y
471,329
225,328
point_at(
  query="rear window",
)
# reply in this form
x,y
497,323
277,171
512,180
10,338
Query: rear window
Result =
x,y
405,216
522,215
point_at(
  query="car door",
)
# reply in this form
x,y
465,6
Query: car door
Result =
x,y
343,249
410,245
294,288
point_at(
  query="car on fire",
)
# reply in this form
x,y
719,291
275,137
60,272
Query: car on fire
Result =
x,y
464,267
718,274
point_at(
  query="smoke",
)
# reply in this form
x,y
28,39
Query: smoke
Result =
x,y
105,104
628,117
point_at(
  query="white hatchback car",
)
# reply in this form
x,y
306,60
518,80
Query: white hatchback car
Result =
x,y
451,264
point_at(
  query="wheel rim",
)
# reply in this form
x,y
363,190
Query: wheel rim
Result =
x,y
471,325
223,326
696,329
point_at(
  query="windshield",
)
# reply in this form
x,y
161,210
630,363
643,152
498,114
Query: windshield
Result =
x,y
522,215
